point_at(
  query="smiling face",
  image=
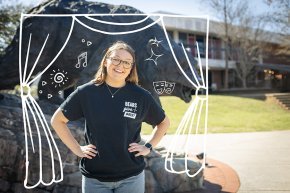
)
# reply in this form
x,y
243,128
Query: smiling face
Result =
x,y
117,66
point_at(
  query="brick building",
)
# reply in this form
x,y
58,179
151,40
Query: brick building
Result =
x,y
271,71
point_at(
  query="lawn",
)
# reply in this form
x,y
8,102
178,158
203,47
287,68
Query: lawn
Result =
x,y
230,114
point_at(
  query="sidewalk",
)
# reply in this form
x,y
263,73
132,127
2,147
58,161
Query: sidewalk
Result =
x,y
261,159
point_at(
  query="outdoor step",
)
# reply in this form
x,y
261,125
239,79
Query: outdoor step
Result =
x,y
284,105
284,102
281,103
282,95
283,98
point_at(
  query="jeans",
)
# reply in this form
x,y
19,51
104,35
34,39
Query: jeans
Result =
x,y
134,184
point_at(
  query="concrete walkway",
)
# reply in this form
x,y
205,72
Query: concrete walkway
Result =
x,y
261,159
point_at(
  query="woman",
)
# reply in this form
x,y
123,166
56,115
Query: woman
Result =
x,y
114,107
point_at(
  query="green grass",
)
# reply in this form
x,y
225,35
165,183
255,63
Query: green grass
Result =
x,y
230,114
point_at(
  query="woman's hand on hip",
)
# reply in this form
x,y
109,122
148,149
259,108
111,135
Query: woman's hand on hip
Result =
x,y
141,149
88,151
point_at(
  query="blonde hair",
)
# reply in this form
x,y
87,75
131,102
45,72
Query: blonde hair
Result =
x,y
101,74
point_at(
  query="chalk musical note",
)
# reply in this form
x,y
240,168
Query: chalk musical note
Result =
x,y
82,60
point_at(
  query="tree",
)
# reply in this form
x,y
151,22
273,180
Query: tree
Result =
x,y
279,19
247,39
9,21
280,14
243,35
222,7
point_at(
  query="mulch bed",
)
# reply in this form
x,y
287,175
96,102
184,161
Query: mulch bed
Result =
x,y
219,178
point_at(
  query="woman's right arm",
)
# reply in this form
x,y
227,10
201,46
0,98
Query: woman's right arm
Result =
x,y
59,123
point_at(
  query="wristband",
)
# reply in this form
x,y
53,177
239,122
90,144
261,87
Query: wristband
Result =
x,y
148,145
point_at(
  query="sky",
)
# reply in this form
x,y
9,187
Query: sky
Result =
x,y
184,7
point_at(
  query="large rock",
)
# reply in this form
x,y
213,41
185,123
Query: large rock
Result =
x,y
84,43
12,162
18,187
170,182
4,186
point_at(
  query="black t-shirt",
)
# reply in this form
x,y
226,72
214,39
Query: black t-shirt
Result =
x,y
111,125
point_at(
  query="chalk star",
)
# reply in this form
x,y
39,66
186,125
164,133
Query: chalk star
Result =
x,y
154,57
156,42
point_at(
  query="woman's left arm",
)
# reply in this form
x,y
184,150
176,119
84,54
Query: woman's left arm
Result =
x,y
157,136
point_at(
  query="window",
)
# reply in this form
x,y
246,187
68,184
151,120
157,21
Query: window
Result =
x,y
182,37
201,45
214,50
191,44
170,34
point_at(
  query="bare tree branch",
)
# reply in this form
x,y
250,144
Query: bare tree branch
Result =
x,y
243,35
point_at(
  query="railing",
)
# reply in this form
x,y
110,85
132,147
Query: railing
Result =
x,y
213,52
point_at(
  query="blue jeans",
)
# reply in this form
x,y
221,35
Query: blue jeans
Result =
x,y
134,184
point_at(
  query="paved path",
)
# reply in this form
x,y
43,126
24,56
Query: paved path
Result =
x,y
261,159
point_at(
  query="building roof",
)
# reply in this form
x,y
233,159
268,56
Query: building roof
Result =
x,y
280,67
199,25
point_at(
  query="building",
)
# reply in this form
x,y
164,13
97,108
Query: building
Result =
x,y
271,71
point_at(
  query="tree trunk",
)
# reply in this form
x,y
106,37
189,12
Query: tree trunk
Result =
x,y
226,86
244,81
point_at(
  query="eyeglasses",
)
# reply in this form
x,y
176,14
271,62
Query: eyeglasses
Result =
x,y
117,61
